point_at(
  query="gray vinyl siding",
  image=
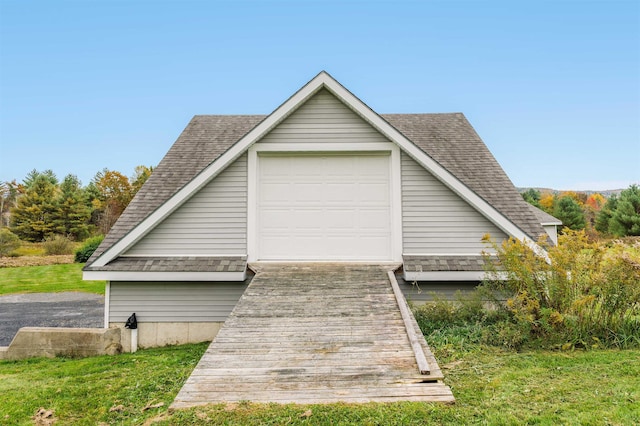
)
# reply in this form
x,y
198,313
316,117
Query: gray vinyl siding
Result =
x,y
212,222
323,119
173,301
435,220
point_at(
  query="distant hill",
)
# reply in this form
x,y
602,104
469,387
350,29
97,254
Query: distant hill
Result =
x,y
607,193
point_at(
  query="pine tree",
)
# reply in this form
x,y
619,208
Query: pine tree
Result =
x,y
31,219
532,196
71,217
569,212
604,216
625,219
33,175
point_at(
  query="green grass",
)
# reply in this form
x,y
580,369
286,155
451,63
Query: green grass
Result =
x,y
492,386
45,279
82,391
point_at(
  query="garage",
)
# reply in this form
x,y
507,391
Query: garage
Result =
x,y
324,207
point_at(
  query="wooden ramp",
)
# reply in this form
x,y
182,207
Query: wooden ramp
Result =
x,y
315,333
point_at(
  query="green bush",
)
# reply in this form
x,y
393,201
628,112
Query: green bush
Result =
x,y
8,242
57,245
84,253
587,295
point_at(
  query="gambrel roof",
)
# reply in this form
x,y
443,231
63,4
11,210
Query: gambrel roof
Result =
x,y
445,144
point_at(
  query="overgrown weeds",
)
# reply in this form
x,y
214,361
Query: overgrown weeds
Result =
x,y
58,245
587,295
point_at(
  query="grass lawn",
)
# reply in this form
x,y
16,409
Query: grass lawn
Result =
x,y
492,386
45,279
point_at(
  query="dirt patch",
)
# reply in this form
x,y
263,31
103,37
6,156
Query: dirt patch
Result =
x,y
43,417
12,262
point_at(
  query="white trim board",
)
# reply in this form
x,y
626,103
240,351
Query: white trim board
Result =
x,y
107,301
450,276
164,276
322,80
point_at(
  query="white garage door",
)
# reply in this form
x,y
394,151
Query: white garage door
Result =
x,y
324,207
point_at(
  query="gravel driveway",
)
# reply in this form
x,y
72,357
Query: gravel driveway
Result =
x,y
70,309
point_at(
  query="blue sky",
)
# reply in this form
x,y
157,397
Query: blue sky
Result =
x,y
552,87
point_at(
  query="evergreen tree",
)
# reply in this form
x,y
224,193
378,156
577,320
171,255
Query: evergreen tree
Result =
x,y
569,212
532,196
625,219
94,203
71,217
31,219
33,175
604,216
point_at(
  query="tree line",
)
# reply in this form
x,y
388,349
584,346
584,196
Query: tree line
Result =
x,y
617,216
42,206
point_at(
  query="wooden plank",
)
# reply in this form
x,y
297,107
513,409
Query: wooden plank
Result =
x,y
421,359
314,334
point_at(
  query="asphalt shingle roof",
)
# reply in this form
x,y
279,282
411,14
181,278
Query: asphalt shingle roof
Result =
x,y
436,263
447,138
442,263
176,264
544,217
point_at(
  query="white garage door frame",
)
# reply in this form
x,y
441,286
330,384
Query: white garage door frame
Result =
x,y
254,152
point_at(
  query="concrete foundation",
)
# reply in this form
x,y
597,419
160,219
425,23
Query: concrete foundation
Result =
x,y
155,334
50,342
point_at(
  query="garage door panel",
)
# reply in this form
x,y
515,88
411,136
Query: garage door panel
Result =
x,y
340,219
274,192
305,220
373,219
374,193
305,192
347,248
374,166
340,191
272,169
303,166
275,220
334,207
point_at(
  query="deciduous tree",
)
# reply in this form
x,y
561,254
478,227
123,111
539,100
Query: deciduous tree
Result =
x,y
596,201
115,194
141,175
547,201
9,192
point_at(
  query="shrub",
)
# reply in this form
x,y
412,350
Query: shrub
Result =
x,y
8,242
84,253
588,294
57,245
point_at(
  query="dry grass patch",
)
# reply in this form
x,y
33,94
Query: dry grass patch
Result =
x,y
13,262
